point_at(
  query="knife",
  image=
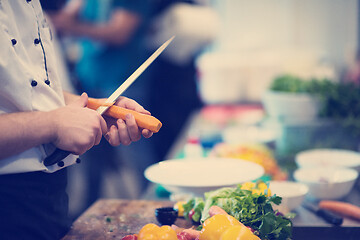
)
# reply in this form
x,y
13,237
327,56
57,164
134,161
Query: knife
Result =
x,y
325,214
60,154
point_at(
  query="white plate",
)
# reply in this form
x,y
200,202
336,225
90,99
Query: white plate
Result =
x,y
199,175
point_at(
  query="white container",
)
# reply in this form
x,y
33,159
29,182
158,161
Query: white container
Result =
x,y
220,79
292,193
298,107
226,78
327,183
327,157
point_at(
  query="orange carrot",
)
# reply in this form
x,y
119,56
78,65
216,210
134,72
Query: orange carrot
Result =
x,y
342,208
142,120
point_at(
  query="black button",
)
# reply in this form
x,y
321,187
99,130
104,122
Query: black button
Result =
x,y
61,164
78,160
36,41
28,1
13,41
33,83
47,82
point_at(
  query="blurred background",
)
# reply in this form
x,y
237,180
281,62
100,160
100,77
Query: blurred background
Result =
x,y
227,60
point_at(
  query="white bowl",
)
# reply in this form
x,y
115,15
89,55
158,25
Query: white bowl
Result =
x,y
200,175
327,157
327,182
298,107
292,193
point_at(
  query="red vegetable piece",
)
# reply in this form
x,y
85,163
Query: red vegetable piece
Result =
x,y
184,236
130,237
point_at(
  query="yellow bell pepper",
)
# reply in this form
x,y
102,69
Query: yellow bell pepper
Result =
x,y
213,227
238,233
179,206
248,185
257,188
153,232
225,227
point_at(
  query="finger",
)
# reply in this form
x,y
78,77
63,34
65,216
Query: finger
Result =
x,y
131,104
146,133
103,125
114,138
123,132
98,136
132,128
81,101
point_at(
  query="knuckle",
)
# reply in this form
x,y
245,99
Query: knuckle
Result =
x,y
137,138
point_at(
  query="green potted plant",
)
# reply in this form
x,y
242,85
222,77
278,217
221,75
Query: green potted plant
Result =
x,y
314,113
289,99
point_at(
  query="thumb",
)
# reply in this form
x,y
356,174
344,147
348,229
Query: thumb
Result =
x,y
81,101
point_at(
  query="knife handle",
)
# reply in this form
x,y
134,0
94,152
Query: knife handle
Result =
x,y
142,120
330,217
56,157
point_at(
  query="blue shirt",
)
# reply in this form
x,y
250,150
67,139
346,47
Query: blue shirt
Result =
x,y
103,67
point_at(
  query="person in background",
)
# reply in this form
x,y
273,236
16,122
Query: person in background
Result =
x,y
35,114
110,35
174,90
352,74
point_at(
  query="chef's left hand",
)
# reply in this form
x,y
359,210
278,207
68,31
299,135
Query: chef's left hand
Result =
x,y
126,132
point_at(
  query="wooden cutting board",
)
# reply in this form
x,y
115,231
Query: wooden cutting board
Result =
x,y
116,218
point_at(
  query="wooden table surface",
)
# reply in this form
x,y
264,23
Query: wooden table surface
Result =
x,y
116,218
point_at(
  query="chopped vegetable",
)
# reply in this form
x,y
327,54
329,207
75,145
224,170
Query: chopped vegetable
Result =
x,y
108,219
151,231
251,207
225,227
238,232
179,206
193,209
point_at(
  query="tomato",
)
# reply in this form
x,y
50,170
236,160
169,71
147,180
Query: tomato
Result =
x,y
191,213
183,236
130,237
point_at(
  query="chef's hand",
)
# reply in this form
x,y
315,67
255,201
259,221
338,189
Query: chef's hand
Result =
x,y
66,19
76,128
126,132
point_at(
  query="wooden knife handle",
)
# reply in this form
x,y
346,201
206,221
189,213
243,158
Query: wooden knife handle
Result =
x,y
142,120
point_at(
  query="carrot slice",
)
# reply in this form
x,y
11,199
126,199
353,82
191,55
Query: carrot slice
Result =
x,y
142,120
342,208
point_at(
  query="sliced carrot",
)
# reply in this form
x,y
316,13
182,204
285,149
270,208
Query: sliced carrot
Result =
x,y
142,120
342,208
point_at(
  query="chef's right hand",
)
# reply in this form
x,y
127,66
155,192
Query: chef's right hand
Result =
x,y
76,128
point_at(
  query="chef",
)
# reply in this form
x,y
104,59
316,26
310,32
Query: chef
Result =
x,y
36,117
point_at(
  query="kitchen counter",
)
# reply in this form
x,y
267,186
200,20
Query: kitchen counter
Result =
x,y
115,218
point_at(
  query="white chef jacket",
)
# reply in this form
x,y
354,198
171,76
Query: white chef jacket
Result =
x,y
28,75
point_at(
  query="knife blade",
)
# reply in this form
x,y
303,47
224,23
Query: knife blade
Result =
x,y
60,154
325,214
117,93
